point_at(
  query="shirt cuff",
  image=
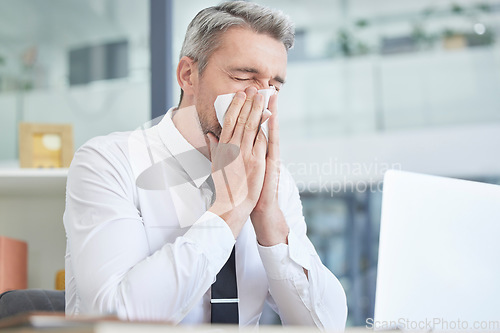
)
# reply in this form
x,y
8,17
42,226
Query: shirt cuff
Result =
x,y
205,230
284,261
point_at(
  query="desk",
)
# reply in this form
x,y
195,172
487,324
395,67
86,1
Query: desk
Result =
x,y
57,323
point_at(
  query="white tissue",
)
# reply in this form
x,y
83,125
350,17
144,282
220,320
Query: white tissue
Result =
x,y
222,103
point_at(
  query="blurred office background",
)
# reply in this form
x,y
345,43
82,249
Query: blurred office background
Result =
x,y
371,85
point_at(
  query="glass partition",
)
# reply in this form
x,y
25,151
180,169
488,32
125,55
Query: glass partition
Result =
x,y
84,63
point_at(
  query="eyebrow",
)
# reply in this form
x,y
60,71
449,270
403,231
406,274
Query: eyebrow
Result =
x,y
255,71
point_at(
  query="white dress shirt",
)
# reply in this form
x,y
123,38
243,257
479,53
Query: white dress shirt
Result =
x,y
142,245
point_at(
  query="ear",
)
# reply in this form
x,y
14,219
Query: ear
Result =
x,y
187,74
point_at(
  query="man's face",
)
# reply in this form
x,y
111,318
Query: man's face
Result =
x,y
244,59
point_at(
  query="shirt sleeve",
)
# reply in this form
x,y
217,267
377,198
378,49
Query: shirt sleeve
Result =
x,y
113,268
317,299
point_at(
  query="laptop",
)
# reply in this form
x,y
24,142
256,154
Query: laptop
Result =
x,y
439,254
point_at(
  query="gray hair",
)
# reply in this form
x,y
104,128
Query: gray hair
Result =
x,y
204,31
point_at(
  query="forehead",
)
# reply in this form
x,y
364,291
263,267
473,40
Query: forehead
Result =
x,y
244,47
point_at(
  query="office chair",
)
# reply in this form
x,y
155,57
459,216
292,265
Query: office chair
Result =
x,y
18,301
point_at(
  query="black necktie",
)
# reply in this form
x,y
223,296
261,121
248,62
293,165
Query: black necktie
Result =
x,y
225,294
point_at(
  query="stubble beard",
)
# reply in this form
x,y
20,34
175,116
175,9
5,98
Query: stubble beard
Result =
x,y
209,122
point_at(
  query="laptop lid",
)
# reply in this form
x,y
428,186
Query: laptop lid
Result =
x,y
439,254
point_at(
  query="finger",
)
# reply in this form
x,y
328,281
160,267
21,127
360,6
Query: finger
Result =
x,y
252,125
243,116
260,146
273,103
231,116
273,145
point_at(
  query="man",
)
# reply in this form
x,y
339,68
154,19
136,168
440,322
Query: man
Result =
x,y
147,237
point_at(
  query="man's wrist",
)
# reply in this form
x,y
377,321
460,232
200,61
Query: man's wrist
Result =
x,y
235,217
271,228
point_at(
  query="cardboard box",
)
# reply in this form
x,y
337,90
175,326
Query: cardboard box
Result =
x,y
13,264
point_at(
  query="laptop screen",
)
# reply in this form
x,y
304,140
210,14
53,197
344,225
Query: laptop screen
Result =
x,y
439,252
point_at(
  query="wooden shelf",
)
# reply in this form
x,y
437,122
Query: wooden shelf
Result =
x,y
30,182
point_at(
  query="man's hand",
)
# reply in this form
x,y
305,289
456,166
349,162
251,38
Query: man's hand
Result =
x,y
239,160
267,218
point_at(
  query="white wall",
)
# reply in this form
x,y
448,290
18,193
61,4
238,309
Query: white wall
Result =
x,y
95,109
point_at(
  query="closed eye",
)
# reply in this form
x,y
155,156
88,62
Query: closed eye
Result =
x,y
277,87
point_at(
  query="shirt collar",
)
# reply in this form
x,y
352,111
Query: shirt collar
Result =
x,y
196,165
